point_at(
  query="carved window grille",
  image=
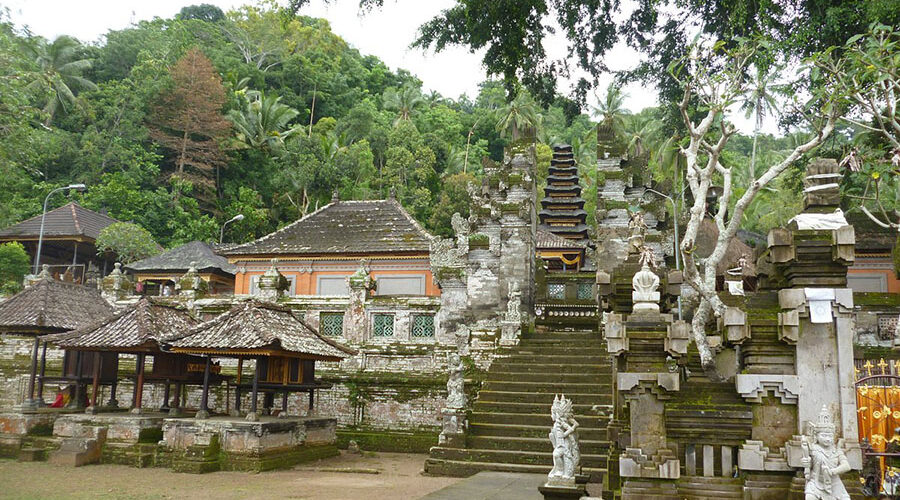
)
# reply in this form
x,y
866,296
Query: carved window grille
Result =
x,y
383,325
423,326
331,324
556,290
585,291
886,325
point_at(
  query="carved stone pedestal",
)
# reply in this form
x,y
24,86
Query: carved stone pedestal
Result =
x,y
562,492
453,431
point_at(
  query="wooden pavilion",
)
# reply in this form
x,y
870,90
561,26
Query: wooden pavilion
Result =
x,y
284,347
140,329
48,306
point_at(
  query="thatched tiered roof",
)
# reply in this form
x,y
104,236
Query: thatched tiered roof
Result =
x,y
141,327
261,329
51,306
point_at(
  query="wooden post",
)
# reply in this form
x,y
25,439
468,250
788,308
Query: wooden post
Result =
x,y
177,401
311,392
113,402
284,399
139,386
237,386
79,358
165,405
34,361
204,398
255,388
40,382
96,382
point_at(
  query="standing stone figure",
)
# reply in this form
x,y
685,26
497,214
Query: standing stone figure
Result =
x,y
638,228
564,438
825,463
514,303
456,396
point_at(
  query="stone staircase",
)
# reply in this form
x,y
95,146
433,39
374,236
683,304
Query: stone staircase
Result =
x,y
510,419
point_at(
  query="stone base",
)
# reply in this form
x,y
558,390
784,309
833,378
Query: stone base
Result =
x,y
642,489
453,431
23,423
562,492
122,427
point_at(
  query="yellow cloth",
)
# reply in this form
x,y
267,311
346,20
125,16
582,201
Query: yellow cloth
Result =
x,y
878,414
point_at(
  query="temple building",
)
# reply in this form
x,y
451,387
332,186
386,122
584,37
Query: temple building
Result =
x,y
562,208
68,242
319,252
159,275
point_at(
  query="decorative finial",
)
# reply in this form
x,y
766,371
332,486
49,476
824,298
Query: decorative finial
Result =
x,y
335,197
392,194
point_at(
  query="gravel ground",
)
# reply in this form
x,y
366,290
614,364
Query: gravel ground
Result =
x,y
399,477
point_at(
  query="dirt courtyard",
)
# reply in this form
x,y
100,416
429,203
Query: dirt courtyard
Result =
x,y
398,477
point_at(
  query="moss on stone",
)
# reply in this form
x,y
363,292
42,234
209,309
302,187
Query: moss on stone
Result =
x,y
150,435
389,441
42,429
479,240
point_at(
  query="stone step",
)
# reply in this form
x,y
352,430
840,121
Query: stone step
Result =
x,y
547,387
537,397
586,446
554,341
465,468
495,417
595,352
551,377
510,456
31,454
530,357
530,408
504,365
703,488
532,431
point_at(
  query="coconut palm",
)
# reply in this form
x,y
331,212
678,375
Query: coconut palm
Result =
x,y
641,131
59,73
759,102
519,116
610,111
263,121
405,102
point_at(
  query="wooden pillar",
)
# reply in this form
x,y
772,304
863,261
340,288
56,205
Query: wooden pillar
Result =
x,y
255,388
177,401
204,398
40,382
34,362
79,358
165,405
237,386
96,382
311,392
113,402
139,386
284,401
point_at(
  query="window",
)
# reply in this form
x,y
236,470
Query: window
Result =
x,y
400,285
860,282
585,291
331,324
423,326
886,325
556,290
333,285
384,325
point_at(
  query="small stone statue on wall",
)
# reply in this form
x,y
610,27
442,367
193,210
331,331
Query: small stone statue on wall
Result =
x,y
456,395
564,438
514,303
638,228
825,462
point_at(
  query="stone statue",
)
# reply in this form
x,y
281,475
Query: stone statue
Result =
x,y
456,396
514,304
645,296
564,438
646,257
824,462
461,229
638,228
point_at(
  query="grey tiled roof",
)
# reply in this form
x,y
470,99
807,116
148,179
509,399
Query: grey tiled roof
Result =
x,y
372,226
260,325
142,325
52,306
68,220
179,260
546,239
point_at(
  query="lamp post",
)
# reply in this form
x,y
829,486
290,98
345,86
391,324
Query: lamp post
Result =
x,y
37,258
233,219
677,244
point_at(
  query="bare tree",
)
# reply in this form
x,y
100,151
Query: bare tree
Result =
x,y
714,79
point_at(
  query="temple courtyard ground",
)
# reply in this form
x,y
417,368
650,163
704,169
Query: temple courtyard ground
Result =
x,y
371,476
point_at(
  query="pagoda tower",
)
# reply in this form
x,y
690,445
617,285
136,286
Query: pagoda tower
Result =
x,y
562,208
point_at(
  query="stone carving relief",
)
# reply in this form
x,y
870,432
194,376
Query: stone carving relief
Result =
x,y
564,438
514,304
824,461
456,396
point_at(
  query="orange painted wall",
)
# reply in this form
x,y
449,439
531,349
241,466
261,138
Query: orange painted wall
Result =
x,y
893,284
306,282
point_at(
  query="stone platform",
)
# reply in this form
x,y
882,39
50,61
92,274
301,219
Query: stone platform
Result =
x,y
229,443
120,426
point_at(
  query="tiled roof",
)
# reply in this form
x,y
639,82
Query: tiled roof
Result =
x,y
68,220
373,226
179,260
142,325
259,325
52,306
546,239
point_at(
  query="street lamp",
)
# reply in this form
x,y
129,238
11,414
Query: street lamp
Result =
x,y
677,244
233,219
37,259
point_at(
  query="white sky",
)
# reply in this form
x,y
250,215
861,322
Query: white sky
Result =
x,y
385,33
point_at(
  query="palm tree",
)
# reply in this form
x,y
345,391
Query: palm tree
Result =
x,y
520,116
405,102
641,131
262,123
759,102
610,110
59,73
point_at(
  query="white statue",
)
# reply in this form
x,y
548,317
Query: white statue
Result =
x,y
564,438
638,229
645,296
514,304
824,462
456,396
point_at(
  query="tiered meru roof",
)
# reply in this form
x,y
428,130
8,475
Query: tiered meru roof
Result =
x,y
562,210
259,328
51,306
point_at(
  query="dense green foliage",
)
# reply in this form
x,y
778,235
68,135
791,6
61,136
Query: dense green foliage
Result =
x,y
129,242
14,265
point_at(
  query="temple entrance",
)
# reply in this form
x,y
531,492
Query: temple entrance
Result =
x,y
878,407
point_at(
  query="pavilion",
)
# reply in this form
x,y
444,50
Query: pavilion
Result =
x,y
166,269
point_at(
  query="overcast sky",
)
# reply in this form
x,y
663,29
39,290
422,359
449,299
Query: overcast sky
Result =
x,y
385,33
